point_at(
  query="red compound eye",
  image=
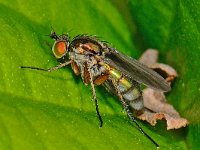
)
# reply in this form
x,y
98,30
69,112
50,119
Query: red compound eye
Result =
x,y
59,49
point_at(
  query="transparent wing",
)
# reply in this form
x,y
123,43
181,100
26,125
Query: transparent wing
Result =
x,y
136,71
109,87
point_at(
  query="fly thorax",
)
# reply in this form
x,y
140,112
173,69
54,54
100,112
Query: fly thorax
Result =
x,y
71,55
95,71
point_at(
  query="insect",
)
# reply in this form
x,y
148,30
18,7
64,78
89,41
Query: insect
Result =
x,y
100,64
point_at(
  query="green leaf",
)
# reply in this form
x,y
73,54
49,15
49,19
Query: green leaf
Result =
x,y
40,110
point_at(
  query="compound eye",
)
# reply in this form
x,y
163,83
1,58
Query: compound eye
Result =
x,y
59,49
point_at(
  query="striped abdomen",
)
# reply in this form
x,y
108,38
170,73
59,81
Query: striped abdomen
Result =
x,y
128,88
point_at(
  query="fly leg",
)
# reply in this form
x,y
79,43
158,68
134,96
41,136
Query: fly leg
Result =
x,y
95,98
129,113
49,69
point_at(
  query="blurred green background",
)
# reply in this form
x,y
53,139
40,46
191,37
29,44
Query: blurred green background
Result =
x,y
41,110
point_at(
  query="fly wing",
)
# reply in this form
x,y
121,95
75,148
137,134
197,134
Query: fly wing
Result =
x,y
136,71
110,87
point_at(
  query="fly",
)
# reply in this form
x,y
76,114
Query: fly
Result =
x,y
100,64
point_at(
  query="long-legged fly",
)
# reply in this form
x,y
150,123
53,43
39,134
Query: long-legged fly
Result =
x,y
100,64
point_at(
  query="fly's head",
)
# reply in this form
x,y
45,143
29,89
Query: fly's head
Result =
x,y
60,47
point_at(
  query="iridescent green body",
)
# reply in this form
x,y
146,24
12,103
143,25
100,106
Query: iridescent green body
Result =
x,y
88,50
128,88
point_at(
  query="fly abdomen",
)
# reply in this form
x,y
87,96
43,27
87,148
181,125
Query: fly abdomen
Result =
x,y
129,89
131,92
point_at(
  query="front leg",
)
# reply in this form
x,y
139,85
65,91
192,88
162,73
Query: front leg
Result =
x,y
49,69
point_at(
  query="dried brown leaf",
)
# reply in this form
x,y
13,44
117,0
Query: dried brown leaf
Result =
x,y
149,57
155,103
